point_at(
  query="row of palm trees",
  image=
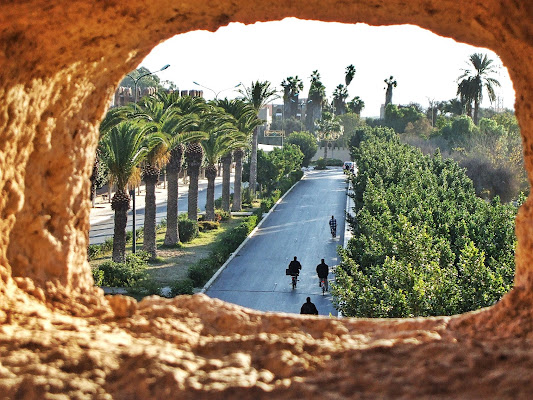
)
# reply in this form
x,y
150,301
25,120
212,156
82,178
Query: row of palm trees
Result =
x,y
161,131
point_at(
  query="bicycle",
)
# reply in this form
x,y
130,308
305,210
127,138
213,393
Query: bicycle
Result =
x,y
324,285
294,280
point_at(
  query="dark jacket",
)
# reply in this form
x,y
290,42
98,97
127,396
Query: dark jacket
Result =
x,y
295,267
309,308
322,270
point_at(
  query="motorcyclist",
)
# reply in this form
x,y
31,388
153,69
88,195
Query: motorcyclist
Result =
x,y
295,267
333,226
322,271
308,308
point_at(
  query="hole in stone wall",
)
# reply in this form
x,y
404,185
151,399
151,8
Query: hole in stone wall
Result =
x,y
423,71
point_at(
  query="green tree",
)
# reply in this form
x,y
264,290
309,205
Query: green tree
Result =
x,y
123,148
307,144
291,90
391,83
340,94
222,137
473,81
258,95
356,105
187,110
349,74
315,101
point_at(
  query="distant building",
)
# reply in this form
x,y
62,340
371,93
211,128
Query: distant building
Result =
x,y
124,94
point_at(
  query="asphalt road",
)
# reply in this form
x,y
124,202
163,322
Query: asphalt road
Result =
x,y
103,227
256,278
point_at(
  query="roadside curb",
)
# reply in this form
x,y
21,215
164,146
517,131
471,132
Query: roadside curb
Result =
x,y
252,233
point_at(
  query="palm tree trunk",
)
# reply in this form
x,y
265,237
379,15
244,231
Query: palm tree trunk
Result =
x,y
119,236
192,196
211,173
476,111
172,234
253,162
120,204
226,175
237,199
149,237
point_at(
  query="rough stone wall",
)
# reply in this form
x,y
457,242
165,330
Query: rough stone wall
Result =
x,y
60,62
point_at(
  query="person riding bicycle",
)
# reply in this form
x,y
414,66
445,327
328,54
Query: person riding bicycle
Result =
x,y
333,226
295,267
322,271
308,308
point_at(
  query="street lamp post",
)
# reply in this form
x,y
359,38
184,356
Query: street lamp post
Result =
x,y
220,91
132,192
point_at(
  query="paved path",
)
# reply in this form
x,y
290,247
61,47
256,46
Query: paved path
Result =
x,y
256,278
102,216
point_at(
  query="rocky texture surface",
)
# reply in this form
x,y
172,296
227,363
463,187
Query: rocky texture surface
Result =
x,y
60,338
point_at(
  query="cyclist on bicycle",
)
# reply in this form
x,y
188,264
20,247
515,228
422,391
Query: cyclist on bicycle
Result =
x,y
333,226
295,267
322,271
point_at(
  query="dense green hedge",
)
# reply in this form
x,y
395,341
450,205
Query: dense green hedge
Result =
x,y
423,243
130,273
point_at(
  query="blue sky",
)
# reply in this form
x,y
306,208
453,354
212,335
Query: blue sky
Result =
x,y
426,66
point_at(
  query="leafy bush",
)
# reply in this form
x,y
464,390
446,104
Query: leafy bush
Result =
x,y
98,276
307,144
247,197
334,162
184,286
208,225
188,229
320,163
221,215
126,274
200,273
93,251
107,245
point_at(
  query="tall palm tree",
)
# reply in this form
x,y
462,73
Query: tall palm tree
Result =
x,y
315,101
187,110
356,105
340,94
329,129
123,148
246,121
391,83
162,121
479,78
222,136
258,95
349,74
291,90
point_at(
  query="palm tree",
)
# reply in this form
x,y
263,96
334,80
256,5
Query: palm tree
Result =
x,y
316,97
291,90
162,121
258,95
391,83
340,94
356,105
349,74
246,121
187,110
123,148
478,78
329,129
466,90
222,136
